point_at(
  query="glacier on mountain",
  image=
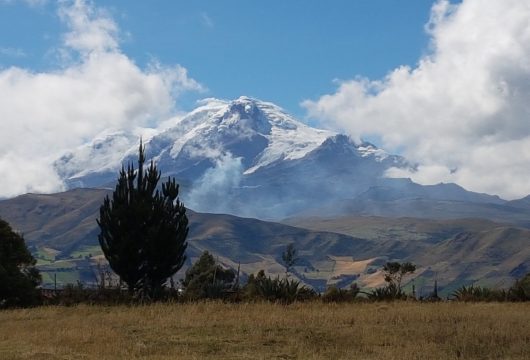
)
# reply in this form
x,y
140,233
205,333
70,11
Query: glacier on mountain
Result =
x,y
251,152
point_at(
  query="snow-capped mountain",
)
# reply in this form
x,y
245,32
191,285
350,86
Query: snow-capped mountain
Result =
x,y
245,156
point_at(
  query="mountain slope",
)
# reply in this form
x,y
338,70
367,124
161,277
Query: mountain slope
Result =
x,y
250,158
264,161
491,257
256,132
62,233
454,252
403,198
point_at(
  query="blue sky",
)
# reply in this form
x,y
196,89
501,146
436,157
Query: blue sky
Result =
x,y
281,51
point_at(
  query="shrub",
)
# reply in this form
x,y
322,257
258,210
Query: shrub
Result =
x,y
478,293
79,294
207,280
335,294
387,293
276,290
520,291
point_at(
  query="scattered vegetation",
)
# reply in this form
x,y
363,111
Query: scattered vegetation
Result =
x,y
78,294
478,293
520,291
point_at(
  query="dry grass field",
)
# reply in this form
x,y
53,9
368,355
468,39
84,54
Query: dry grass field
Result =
x,y
267,331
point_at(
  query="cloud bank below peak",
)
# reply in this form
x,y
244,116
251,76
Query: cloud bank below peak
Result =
x,y
96,89
463,112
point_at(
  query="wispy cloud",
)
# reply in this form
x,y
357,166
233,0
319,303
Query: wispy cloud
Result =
x,y
99,89
207,20
32,3
463,111
91,29
12,52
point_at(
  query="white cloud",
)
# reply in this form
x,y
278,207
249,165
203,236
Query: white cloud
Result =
x,y
463,112
91,28
44,113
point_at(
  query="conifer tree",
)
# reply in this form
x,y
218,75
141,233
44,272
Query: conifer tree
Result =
x,y
143,229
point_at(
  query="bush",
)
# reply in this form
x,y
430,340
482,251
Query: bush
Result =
x,y
78,294
520,291
207,280
478,293
285,291
335,294
387,293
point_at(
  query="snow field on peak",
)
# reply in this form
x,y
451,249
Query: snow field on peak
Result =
x,y
289,145
369,150
103,153
288,139
258,133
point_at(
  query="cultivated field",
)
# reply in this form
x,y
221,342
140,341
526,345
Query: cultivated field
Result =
x,y
268,331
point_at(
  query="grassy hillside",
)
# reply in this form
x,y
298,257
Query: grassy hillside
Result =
x,y
455,252
62,233
61,221
375,228
268,331
374,203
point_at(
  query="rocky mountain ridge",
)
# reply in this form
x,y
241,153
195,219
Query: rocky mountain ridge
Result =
x,y
244,157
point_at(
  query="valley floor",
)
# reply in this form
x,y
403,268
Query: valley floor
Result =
x,y
267,331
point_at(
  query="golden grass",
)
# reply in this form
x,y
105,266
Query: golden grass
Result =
x,y
267,331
